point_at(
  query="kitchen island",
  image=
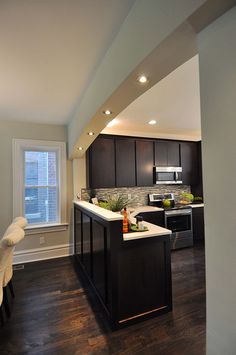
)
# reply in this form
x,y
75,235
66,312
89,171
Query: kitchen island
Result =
x,y
130,273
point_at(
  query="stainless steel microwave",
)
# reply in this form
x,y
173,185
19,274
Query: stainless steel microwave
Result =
x,y
168,175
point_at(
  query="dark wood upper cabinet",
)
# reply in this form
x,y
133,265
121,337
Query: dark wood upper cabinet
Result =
x,y
167,153
125,162
189,162
102,163
117,161
144,162
173,154
161,154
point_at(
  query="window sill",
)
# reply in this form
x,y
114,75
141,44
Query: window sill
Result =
x,y
45,228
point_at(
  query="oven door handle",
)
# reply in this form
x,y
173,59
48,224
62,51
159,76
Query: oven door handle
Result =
x,y
171,214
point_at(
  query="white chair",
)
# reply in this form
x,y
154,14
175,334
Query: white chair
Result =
x,y
22,223
18,221
7,245
1,289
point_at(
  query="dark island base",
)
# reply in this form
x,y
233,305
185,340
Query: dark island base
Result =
x,y
132,279
143,290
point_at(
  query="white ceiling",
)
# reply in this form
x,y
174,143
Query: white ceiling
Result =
x,y
174,103
49,51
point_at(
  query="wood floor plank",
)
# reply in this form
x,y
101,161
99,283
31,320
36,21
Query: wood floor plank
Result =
x,y
54,314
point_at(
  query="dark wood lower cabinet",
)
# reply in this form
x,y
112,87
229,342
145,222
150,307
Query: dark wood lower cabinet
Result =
x,y
99,254
198,224
132,279
144,281
156,217
87,243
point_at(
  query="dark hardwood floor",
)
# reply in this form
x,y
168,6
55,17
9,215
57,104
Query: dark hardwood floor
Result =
x,y
52,314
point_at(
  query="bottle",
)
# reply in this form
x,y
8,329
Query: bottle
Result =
x,y
125,221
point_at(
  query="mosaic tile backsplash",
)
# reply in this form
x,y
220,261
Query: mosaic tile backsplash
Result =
x,y
139,195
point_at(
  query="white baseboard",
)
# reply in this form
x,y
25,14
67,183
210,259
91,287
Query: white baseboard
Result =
x,y
27,256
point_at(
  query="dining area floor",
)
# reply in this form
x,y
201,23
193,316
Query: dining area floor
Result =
x,y
54,312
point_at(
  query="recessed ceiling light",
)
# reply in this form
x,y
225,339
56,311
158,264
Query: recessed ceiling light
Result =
x,y
90,133
142,79
107,112
112,122
80,148
152,122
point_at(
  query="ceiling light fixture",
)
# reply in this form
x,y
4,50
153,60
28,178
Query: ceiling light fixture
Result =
x,y
152,122
80,148
142,79
107,112
91,133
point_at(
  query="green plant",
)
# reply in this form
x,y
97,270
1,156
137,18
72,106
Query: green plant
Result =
x,y
103,205
116,203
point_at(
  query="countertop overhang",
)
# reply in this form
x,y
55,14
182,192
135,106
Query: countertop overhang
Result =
x,y
99,211
153,230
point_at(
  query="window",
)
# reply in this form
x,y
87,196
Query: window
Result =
x,y
39,178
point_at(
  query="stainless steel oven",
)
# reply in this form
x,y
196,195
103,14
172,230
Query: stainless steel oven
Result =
x,y
179,221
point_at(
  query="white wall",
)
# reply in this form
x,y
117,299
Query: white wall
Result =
x,y
217,53
79,175
56,243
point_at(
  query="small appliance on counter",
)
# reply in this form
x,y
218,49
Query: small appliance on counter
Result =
x,y
157,199
177,218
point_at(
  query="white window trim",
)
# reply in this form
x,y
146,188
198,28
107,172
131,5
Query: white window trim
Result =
x,y
19,145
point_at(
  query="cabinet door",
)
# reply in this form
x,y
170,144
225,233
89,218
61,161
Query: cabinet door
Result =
x,y
87,246
102,163
125,162
198,224
167,153
161,154
100,260
173,154
78,238
144,162
189,162
156,218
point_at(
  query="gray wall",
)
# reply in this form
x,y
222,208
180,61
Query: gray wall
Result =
x,y
8,131
217,53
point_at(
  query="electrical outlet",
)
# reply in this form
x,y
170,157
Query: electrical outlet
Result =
x,y
41,240
129,196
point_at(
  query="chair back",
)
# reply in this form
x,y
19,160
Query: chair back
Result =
x,y
18,221
7,246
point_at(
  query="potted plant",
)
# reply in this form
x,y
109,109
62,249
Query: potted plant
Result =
x,y
115,203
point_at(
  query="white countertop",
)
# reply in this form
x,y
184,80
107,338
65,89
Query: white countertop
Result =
x,y
195,205
99,211
153,230
143,209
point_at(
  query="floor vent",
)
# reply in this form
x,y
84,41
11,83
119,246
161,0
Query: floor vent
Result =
x,y
18,267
